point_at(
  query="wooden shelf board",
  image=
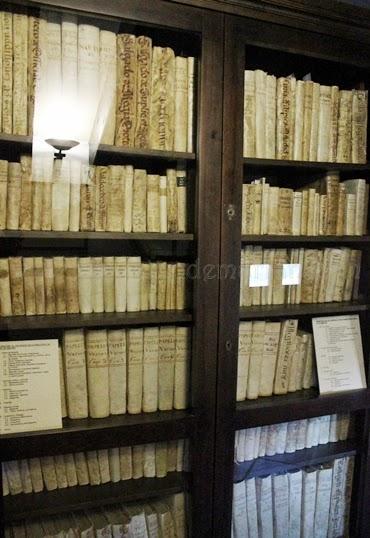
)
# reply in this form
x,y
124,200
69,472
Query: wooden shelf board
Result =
x,y
29,505
280,463
96,236
325,239
82,434
271,311
112,150
305,165
106,319
296,406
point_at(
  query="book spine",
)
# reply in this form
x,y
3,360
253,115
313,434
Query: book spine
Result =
x,y
334,114
182,361
29,286
97,287
344,127
299,121
13,196
249,144
162,99
166,367
307,119
133,283
25,214
153,217
323,142
16,286
85,277
108,83
126,90
108,283
359,125
171,201
75,374
120,283
150,369
7,74
5,287
283,124
116,201
260,89
139,201
87,199
117,371
135,341
101,199
97,373
71,285
3,193
314,121
181,104
191,102
270,134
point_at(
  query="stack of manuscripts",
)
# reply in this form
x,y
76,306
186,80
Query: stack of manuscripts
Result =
x,y
123,90
302,120
314,501
163,517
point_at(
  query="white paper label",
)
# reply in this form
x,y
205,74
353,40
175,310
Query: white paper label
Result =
x,y
292,273
29,386
259,275
339,354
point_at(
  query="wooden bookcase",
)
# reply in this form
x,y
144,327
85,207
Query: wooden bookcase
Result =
x,y
186,30
267,38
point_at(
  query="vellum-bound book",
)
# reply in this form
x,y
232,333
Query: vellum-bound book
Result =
x,y
181,104
117,371
126,90
239,521
20,61
280,490
85,278
166,367
102,178
60,195
114,464
75,373
108,83
29,286
162,110
120,283
7,74
25,215
182,360
264,507
134,370
3,190
71,285
108,283
13,196
6,300
97,288
97,373
295,504
322,507
150,369
116,199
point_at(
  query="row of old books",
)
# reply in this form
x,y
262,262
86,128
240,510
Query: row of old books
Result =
x,y
295,276
314,501
119,88
162,517
287,437
111,372
62,195
302,120
60,285
274,358
94,467
342,210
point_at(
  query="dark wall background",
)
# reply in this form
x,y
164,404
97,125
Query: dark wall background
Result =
x,y
363,3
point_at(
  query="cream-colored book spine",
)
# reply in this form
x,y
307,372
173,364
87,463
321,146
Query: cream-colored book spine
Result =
x,y
344,154
20,73
93,467
139,201
128,190
133,283
16,286
270,117
88,79
75,373
108,283
166,367
82,471
332,192
308,275
7,73
358,188
260,88
153,212
25,215
103,461
117,371
304,214
36,474
316,218
161,459
108,83
75,194
60,285
264,207
50,305
60,196
299,121
297,213
257,259
150,369
13,196
149,460
29,286
5,295
350,214
191,100
256,195
311,212
309,364
171,201
334,116
341,275
307,119
85,280
115,199
182,363
120,283
249,133
3,189
135,343
126,90
323,208
359,125
162,112
97,373
285,211
255,360
285,353
12,470
181,104
60,471
36,59
143,84
97,286
163,204
293,85
283,113
269,357
323,143
137,461
341,209
125,459
181,200
46,200
87,199
181,290
278,290
101,198
1,96
162,286
314,121
153,286
273,211
144,286
71,285
48,473
171,286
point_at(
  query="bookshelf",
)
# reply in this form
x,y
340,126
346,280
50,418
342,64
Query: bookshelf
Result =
x,y
189,32
280,45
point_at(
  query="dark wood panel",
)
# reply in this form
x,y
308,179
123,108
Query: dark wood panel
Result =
x,y
298,405
319,309
95,236
298,166
107,319
30,505
83,434
357,240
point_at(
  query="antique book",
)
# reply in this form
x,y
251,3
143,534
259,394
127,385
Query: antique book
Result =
x,y
50,304
117,371
359,125
249,130
126,90
278,290
20,73
128,193
103,461
260,100
332,193
16,286
291,436
323,214
280,496
69,60
285,354
239,510
311,212
135,342
181,289
163,204
295,503
322,507
74,199
308,502
37,52
285,211
88,79
171,286
273,211
5,289
60,196
60,286
336,511
191,101
70,470
299,121
264,506
341,275
314,121
255,360
97,285
182,368
162,110
116,198
161,459
97,373
13,196
269,357
341,209
36,474
264,206
39,285
29,286
82,471
75,373
125,458
304,212
25,214
3,192
71,285
133,283
144,286
85,280
137,461
150,369
108,83
166,367
325,108
120,283
181,104
7,73
114,464
25,476
48,473
256,200
143,88
102,183
344,154
171,201
60,471
87,199
93,467
249,443
108,283
307,119
357,187
46,193
153,286
139,209
161,285
281,435
270,117
297,213
333,134
153,213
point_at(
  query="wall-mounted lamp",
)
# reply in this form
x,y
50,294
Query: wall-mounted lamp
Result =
x,y
61,146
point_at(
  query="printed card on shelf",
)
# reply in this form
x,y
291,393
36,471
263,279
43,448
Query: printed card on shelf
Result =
x,y
259,275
